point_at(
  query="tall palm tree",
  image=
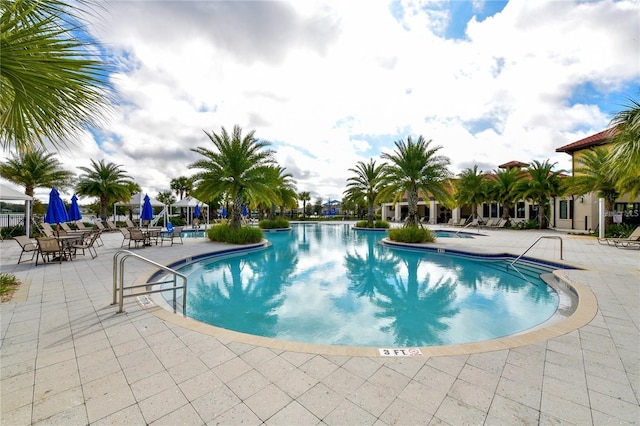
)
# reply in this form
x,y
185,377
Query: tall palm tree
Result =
x,y
53,81
304,196
414,167
471,188
540,185
624,158
239,166
285,189
503,188
364,185
36,169
107,181
592,174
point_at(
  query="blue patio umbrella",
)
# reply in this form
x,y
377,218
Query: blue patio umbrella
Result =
x,y
74,210
224,212
245,212
56,211
196,211
147,210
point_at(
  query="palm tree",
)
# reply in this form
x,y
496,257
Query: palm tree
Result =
x,y
35,169
107,181
166,198
182,186
592,174
414,167
471,188
541,184
285,189
239,166
53,81
304,196
365,186
624,158
503,188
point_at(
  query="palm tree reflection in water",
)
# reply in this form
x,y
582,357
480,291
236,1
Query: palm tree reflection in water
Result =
x,y
329,284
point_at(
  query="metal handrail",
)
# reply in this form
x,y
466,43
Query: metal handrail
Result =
x,y
534,243
468,225
118,281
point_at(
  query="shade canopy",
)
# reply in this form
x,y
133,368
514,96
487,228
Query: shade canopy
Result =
x,y
136,201
9,194
56,211
74,209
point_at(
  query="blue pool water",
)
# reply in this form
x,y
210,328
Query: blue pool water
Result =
x,y
330,284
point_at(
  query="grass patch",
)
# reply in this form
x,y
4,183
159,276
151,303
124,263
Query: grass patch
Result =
x,y
412,234
8,284
376,224
224,233
277,223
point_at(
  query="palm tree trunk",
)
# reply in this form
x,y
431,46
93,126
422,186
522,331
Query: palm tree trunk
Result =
x,y
412,201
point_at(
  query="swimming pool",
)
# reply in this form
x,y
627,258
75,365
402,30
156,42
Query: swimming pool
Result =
x,y
329,284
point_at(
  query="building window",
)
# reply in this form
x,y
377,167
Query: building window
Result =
x,y
520,210
564,209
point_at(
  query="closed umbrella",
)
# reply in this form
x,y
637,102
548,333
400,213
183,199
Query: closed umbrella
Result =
x,y
196,211
56,212
147,210
245,212
224,212
74,210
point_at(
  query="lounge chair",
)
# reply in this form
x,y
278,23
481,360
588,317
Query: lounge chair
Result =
x,y
112,226
126,236
48,230
130,224
27,245
622,242
81,227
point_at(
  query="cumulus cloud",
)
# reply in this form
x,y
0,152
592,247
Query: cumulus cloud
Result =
x,y
334,83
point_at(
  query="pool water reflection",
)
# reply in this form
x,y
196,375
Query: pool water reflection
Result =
x,y
329,284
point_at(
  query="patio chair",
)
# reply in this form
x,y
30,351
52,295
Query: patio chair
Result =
x,y
130,224
112,226
81,226
87,243
172,235
138,238
27,246
66,227
49,248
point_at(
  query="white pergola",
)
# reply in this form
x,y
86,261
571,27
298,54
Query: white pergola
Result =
x,y
190,204
136,201
9,194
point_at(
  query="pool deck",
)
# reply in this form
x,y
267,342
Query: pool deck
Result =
x,y
67,357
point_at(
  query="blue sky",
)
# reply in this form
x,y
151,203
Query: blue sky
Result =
x,y
332,83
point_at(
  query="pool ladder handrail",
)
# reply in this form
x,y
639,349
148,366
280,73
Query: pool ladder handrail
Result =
x,y
534,243
468,225
118,281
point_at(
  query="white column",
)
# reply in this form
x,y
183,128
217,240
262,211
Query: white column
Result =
x,y
601,217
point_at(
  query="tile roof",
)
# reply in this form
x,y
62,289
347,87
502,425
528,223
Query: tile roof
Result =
x,y
599,138
512,164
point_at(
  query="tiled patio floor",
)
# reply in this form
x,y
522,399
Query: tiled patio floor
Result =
x,y
67,358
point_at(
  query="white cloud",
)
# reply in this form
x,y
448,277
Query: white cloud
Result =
x,y
333,83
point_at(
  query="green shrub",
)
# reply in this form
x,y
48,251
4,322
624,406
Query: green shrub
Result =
x,y
224,233
8,284
618,230
412,234
376,224
276,223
